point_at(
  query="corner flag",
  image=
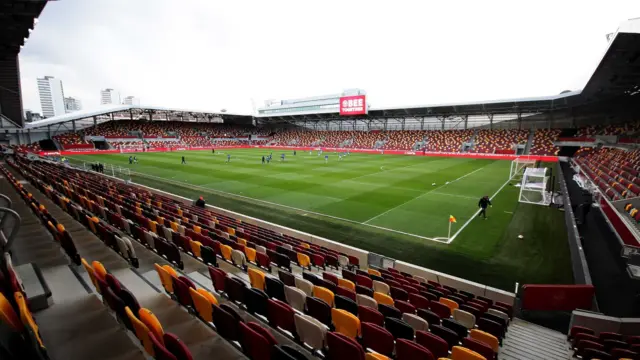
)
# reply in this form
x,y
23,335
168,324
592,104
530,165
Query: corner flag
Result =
x,y
452,219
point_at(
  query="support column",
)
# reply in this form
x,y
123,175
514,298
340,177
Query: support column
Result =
x,y
28,136
130,114
466,121
422,123
49,132
95,121
519,121
73,124
490,121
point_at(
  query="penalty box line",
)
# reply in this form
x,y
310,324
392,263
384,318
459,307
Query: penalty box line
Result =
x,y
442,240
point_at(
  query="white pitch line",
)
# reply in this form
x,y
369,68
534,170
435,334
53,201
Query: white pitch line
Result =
x,y
303,211
418,197
474,215
454,195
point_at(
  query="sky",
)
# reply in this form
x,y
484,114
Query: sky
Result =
x,y
233,55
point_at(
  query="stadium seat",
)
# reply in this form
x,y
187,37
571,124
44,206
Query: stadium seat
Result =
x,y
480,348
457,327
377,338
462,353
365,300
226,324
304,285
486,338
159,351
177,347
347,284
345,323
253,344
416,322
256,301
405,307
275,288
442,310
256,278
324,294
380,287
409,350
203,304
347,304
419,301
235,289
310,331
319,310
350,294
342,347
370,315
383,299
450,336
437,345
364,290
141,331
295,297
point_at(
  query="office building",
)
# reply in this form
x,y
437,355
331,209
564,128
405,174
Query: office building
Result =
x,y
131,100
51,96
72,104
109,96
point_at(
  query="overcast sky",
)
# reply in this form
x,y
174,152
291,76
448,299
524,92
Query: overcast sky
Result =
x,y
214,54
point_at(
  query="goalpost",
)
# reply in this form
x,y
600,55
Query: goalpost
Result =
x,y
518,167
534,187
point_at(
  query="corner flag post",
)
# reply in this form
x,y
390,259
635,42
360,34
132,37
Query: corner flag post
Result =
x,y
451,221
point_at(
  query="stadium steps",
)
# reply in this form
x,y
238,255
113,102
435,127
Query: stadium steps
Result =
x,y
527,341
33,243
527,148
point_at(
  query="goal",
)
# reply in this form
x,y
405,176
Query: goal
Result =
x,y
534,186
518,166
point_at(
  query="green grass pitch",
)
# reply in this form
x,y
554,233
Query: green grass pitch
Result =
x,y
386,204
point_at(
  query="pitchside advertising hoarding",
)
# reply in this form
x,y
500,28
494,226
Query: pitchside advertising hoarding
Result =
x,y
353,105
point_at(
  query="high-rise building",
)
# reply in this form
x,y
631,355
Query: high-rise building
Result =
x,y
32,116
72,104
131,100
51,96
109,96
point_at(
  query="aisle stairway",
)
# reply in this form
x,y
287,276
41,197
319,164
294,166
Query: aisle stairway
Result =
x,y
527,341
74,313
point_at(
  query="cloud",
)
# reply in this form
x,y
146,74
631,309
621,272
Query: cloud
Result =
x,y
211,54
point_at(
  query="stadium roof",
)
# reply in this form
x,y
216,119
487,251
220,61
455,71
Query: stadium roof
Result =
x,y
112,109
16,21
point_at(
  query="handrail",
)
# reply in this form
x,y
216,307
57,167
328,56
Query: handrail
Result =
x,y
7,199
7,241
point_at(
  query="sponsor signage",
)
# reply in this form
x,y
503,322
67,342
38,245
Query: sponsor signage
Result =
x,y
353,105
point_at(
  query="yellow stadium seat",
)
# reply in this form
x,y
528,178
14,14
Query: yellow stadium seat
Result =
x,y
251,254
242,241
231,231
151,321
304,260
203,305
347,284
160,220
153,227
165,278
345,323
197,229
99,270
256,278
486,338
383,298
8,315
174,226
306,246
141,330
374,272
180,212
226,252
324,294
462,353
26,317
375,356
450,303
195,248
92,274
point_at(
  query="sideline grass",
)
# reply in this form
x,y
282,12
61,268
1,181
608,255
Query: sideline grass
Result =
x,y
386,191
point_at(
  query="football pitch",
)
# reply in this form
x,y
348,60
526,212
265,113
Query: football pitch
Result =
x,y
394,205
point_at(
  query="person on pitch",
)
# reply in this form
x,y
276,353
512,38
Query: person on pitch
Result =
x,y
262,159
482,204
183,160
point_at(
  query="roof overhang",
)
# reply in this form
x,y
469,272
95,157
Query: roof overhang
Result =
x,y
16,22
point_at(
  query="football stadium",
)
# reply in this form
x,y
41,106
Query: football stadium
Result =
x,y
324,227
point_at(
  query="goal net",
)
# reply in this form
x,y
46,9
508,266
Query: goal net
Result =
x,y
518,166
534,187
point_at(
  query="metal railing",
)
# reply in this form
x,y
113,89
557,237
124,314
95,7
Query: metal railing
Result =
x,y
8,227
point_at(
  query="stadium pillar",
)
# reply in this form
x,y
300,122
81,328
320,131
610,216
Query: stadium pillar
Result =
x,y
403,122
130,114
519,121
49,132
73,124
466,121
28,137
422,123
490,121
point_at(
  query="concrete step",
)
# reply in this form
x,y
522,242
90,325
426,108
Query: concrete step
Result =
x,y
528,341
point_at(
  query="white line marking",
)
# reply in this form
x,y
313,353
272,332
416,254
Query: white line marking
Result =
x,y
303,211
475,215
418,197
509,212
454,195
